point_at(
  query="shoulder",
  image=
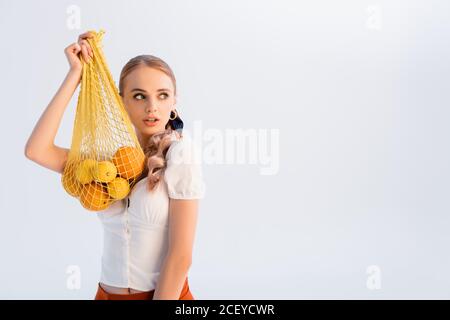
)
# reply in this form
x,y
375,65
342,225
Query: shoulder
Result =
x,y
183,150
183,172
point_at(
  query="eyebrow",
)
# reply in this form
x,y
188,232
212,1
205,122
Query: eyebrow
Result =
x,y
162,89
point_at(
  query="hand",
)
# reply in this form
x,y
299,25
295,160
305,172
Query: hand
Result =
x,y
73,52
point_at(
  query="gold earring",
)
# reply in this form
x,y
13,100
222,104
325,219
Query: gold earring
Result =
x,y
176,115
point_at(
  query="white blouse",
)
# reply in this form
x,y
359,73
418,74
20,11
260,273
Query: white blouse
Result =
x,y
135,229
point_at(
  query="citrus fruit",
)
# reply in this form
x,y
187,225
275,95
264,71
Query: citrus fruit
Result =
x,y
83,172
94,196
118,188
129,162
70,184
105,171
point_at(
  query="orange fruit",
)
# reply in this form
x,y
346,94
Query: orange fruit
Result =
x,y
129,162
94,197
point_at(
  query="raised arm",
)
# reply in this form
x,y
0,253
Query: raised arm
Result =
x,y
40,146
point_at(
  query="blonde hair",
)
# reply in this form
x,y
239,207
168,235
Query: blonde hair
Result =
x,y
155,149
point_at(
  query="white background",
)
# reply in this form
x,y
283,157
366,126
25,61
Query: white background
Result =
x,y
359,91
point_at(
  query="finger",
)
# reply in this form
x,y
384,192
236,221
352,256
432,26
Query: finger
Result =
x,y
85,35
70,47
76,48
88,46
84,53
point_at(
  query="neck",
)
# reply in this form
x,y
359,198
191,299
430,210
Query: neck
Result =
x,y
142,139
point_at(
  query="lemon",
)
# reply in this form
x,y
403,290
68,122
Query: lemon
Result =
x,y
118,188
83,173
106,171
70,184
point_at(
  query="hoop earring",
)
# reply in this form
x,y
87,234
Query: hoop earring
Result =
x,y
176,115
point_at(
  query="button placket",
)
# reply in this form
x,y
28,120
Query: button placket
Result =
x,y
127,225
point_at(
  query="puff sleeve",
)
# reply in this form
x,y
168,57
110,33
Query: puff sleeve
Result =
x,y
183,173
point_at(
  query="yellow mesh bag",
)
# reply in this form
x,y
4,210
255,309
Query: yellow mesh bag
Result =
x,y
105,158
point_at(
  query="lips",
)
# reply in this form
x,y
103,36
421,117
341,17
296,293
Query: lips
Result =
x,y
150,116
151,123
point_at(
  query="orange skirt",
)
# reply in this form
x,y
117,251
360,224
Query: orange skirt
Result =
x,y
147,295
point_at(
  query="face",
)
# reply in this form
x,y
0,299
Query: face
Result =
x,y
148,92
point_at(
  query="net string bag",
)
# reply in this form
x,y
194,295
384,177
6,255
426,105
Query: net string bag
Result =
x,y
105,157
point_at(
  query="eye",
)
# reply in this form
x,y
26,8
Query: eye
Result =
x,y
138,95
165,94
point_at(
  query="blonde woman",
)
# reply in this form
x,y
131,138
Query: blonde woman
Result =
x,y
148,236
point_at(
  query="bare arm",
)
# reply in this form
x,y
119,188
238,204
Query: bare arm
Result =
x,y
182,225
40,146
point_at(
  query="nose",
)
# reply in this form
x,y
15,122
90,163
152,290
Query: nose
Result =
x,y
150,107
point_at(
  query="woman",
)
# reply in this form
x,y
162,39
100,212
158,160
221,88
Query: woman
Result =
x,y
148,236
